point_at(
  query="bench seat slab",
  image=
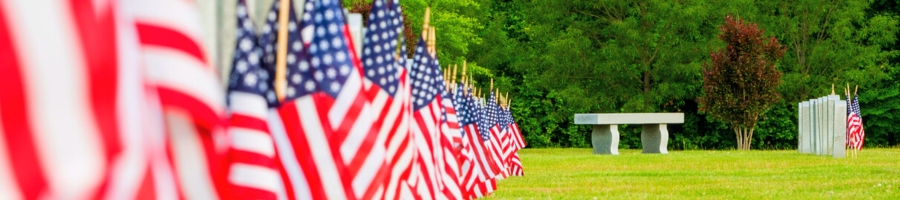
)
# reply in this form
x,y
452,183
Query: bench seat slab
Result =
x,y
605,139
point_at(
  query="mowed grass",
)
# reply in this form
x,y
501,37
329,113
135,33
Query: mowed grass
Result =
x,y
577,174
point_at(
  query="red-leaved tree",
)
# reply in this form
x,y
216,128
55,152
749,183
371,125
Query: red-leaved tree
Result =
x,y
740,82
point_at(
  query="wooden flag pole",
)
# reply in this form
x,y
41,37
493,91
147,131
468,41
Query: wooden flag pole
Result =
x,y
453,77
491,89
431,42
497,100
280,57
425,25
832,89
506,99
502,99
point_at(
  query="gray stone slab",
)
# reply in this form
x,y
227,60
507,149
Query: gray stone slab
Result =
x,y
823,125
629,118
840,126
605,139
831,120
814,126
803,144
654,138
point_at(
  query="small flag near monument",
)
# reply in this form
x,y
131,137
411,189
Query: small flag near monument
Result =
x,y
855,125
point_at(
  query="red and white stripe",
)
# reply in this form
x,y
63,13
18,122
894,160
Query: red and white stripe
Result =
x,y
190,93
482,166
308,155
507,149
855,130
515,165
392,119
393,123
425,128
496,149
517,136
450,143
467,168
253,163
351,119
77,125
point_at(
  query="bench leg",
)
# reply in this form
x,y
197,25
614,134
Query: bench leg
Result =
x,y
654,138
605,139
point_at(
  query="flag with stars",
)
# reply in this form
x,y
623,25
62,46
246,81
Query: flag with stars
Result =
x,y
469,167
492,126
481,139
253,168
425,121
389,89
855,124
312,167
449,142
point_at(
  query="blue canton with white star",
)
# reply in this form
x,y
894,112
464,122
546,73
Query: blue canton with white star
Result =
x,y
247,74
379,48
329,50
269,43
425,78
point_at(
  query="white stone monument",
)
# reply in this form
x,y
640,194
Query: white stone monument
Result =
x,y
822,126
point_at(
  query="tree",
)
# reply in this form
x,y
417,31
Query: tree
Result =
x,y
829,42
740,83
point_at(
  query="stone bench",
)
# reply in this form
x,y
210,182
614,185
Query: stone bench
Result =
x,y
605,137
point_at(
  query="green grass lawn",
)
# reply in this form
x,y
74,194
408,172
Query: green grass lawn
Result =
x,y
577,174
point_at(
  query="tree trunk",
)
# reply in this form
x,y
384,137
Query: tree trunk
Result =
x,y
737,135
749,138
744,137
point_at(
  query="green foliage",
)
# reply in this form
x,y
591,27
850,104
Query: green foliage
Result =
x,y
558,58
577,174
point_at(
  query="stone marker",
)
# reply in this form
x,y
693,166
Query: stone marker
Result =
x,y
803,125
840,136
822,124
831,119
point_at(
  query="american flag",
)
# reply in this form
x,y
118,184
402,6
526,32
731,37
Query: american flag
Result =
x,y
514,164
505,140
79,125
486,184
399,146
254,169
470,166
854,125
426,120
519,140
388,87
492,123
349,116
190,94
450,143
849,117
325,118
298,168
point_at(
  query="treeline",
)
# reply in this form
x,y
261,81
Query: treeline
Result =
x,y
558,58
